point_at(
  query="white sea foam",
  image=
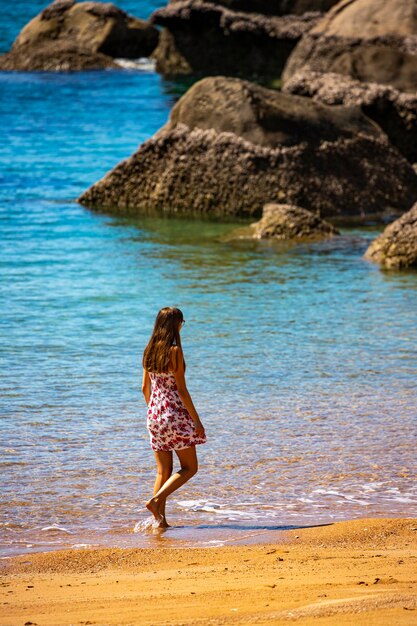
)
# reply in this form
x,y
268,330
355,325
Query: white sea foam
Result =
x,y
219,510
199,505
143,63
56,528
145,525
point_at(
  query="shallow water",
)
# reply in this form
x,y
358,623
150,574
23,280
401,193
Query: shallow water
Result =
x,y
302,361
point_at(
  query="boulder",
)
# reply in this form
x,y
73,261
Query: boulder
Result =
x,y
369,40
278,7
76,36
286,222
396,247
63,59
205,38
394,111
232,146
265,117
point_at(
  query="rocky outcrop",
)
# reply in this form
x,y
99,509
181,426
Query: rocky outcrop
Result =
x,y
394,111
207,38
277,7
286,222
63,59
77,36
266,117
232,146
369,40
396,247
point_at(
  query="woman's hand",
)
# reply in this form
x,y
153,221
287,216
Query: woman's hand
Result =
x,y
199,429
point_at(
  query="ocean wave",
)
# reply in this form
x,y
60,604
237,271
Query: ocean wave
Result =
x,y
144,64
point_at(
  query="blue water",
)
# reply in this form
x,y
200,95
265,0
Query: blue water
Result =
x,y
301,361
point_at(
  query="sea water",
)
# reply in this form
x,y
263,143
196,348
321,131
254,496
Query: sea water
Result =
x,y
301,360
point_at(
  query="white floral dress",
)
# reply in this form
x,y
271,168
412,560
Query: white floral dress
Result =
x,y
169,423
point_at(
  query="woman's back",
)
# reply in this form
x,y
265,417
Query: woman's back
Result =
x,y
163,382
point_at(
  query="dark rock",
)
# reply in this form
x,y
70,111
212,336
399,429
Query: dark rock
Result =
x,y
265,117
64,59
394,111
396,247
289,223
369,40
76,36
232,146
278,7
56,9
206,38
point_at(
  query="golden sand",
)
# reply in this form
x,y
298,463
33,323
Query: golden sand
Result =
x,y
357,572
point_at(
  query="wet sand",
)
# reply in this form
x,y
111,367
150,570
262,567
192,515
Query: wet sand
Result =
x,y
362,572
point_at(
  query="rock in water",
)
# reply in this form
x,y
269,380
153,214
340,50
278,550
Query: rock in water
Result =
x,y
394,111
277,7
369,40
231,146
77,36
231,38
265,117
289,223
396,247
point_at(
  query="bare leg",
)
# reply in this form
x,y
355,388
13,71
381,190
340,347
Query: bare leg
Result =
x,y
164,471
189,467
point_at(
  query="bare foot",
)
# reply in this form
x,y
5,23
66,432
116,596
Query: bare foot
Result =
x,y
163,523
156,507
152,506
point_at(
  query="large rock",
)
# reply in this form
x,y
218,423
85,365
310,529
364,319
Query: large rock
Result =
x,y
86,35
277,7
232,146
286,222
394,111
208,38
266,117
369,40
396,247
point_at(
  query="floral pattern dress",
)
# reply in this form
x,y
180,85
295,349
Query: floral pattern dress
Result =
x,y
169,423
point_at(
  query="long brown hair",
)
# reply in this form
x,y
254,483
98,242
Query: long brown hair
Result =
x,y
157,354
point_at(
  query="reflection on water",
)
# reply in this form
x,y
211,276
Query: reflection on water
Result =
x,y
301,360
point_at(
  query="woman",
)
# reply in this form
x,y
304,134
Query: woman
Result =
x,y
172,421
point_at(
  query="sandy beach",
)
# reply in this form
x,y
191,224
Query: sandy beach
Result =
x,y
362,571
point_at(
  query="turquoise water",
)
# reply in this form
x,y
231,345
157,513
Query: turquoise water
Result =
x,y
302,361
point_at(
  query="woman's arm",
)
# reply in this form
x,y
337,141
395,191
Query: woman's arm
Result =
x,y
146,386
178,369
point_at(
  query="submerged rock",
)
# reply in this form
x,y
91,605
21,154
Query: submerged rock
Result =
x,y
369,40
287,222
231,146
396,247
77,36
209,38
394,111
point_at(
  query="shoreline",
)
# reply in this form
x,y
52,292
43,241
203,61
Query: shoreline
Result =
x,y
363,570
